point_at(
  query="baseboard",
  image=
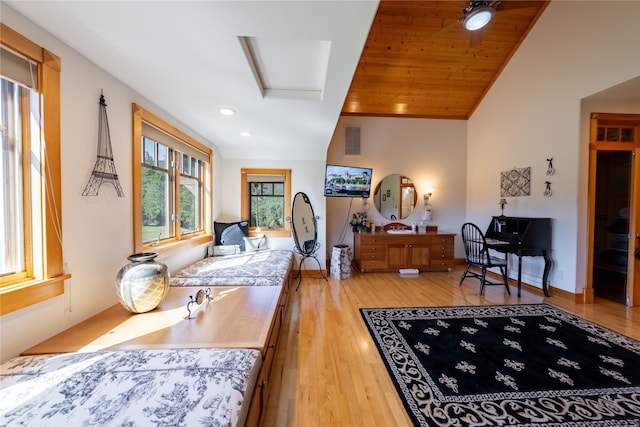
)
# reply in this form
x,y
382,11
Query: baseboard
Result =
x,y
556,292
312,273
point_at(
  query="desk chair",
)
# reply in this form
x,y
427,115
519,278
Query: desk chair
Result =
x,y
477,255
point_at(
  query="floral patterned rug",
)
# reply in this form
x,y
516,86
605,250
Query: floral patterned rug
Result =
x,y
525,365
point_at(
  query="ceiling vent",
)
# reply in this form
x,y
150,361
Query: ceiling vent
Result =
x,y
352,141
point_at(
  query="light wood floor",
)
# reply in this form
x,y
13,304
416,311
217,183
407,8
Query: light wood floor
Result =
x,y
328,371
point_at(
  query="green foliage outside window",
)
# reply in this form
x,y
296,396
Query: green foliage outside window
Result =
x,y
267,204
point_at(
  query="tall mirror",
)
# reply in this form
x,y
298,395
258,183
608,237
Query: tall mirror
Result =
x,y
305,231
303,221
395,197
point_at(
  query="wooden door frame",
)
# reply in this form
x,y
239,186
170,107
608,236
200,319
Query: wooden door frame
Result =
x,y
633,266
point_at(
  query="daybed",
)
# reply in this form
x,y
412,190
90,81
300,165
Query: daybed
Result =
x,y
184,387
269,267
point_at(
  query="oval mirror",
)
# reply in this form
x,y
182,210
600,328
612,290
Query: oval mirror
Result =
x,y
395,197
303,225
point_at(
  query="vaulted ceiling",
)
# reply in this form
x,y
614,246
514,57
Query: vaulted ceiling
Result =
x,y
419,61
288,68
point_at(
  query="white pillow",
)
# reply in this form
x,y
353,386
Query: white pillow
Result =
x,y
220,250
252,244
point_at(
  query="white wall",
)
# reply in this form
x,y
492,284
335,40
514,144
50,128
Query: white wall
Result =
x,y
432,153
306,176
97,231
533,112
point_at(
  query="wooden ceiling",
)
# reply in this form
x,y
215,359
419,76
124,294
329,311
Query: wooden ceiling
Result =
x,y
419,61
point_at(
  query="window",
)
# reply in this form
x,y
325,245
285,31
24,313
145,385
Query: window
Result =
x,y
266,200
172,176
31,259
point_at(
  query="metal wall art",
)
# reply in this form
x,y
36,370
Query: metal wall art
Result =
x,y
550,171
104,169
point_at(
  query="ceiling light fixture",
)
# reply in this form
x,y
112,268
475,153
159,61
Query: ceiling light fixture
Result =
x,y
245,133
477,14
227,112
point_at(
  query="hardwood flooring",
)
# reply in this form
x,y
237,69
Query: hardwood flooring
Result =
x,y
328,371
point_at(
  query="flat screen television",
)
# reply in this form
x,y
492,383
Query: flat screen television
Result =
x,y
347,181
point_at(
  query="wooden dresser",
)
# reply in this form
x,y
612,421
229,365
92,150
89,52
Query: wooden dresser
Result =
x,y
383,251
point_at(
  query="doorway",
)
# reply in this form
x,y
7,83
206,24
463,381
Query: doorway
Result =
x,y
611,225
614,232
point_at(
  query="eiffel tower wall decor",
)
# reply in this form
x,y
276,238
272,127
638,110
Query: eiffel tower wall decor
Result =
x,y
104,169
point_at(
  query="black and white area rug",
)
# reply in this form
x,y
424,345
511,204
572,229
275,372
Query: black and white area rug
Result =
x,y
524,365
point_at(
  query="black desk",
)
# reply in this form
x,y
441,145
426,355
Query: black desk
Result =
x,y
522,237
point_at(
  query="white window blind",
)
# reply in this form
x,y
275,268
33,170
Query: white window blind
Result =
x,y
164,138
264,178
18,69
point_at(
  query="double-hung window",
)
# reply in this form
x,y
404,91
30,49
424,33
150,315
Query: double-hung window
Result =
x,y
31,259
266,200
172,181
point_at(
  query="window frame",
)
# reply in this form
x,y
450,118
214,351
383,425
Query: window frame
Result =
x,y
47,280
180,242
245,197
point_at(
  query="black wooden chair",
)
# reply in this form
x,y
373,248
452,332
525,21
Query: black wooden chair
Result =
x,y
477,255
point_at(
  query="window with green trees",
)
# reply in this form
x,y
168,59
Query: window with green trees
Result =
x,y
173,181
267,204
266,200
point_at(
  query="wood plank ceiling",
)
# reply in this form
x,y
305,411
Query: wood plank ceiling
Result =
x,y
419,61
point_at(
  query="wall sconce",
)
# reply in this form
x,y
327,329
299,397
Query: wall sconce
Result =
x,y
502,202
426,216
365,204
427,196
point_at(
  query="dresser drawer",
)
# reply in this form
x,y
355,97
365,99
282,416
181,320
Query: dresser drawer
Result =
x,y
365,249
439,251
373,256
373,265
441,263
373,239
441,247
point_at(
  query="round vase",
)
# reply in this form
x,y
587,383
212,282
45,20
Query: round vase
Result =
x,y
142,285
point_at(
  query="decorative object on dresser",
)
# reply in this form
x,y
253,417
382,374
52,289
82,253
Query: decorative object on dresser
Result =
x,y
528,364
197,300
142,284
400,247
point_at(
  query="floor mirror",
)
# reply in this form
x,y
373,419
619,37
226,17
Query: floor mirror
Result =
x,y
305,232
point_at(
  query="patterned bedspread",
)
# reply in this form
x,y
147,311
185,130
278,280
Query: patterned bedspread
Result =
x,y
186,387
259,268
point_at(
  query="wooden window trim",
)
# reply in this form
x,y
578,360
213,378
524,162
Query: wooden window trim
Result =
x,y
244,197
169,246
15,296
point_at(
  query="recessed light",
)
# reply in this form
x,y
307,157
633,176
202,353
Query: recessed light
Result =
x,y
227,111
245,133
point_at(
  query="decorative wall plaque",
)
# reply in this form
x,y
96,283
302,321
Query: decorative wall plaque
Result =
x,y
515,182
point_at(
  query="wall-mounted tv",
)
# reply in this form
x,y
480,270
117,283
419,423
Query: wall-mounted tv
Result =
x,y
347,181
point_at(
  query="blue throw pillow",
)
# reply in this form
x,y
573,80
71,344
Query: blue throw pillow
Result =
x,y
231,233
